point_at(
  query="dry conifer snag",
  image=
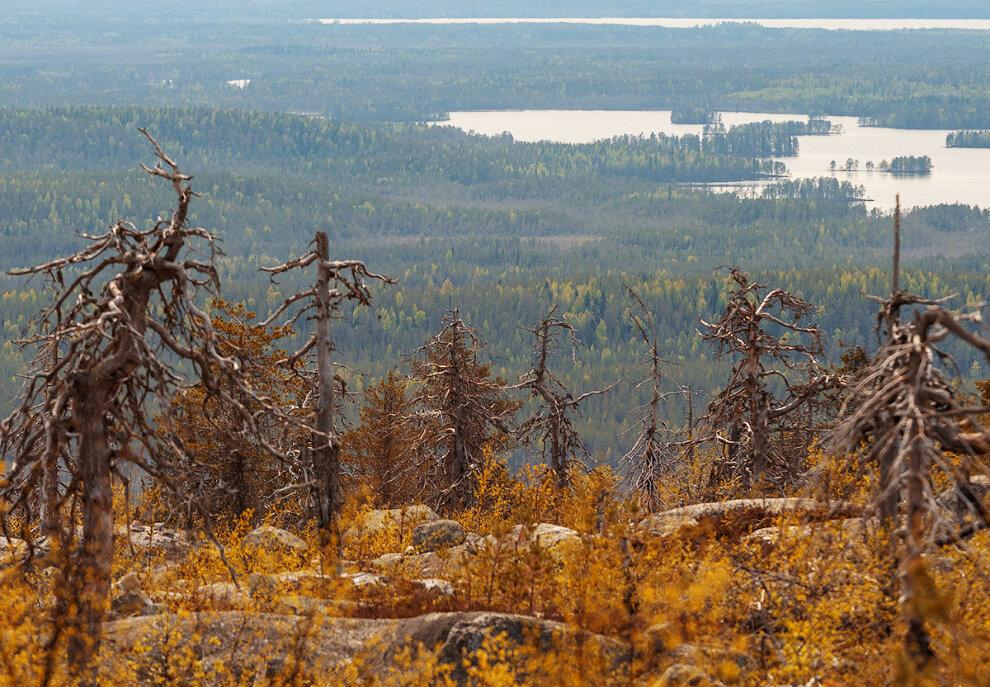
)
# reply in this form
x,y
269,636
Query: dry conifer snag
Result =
x,y
122,315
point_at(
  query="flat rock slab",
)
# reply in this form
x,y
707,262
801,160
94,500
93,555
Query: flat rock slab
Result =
x,y
252,644
274,539
753,513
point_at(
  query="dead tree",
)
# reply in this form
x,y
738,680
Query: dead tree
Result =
x,y
551,425
654,454
462,410
336,280
123,316
905,408
746,406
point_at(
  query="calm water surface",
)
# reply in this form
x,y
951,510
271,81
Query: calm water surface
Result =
x,y
689,22
960,175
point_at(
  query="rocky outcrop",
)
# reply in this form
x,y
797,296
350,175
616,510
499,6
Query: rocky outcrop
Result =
x,y
741,515
270,644
958,504
275,540
436,534
682,675
392,523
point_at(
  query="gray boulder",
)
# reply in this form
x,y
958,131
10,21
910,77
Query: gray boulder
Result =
x,y
275,540
749,514
392,523
436,534
269,646
132,603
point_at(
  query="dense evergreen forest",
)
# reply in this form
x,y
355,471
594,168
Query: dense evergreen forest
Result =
x,y
299,386
499,229
968,139
72,9
417,73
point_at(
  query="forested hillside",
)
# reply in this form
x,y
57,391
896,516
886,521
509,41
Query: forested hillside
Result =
x,y
500,230
301,388
417,73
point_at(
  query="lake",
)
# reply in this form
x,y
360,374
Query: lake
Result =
x,y
691,22
960,175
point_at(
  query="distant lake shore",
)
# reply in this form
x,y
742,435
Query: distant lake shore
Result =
x,y
694,22
959,175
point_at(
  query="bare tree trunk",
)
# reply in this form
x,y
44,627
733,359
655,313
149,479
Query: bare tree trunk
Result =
x,y
91,567
49,516
917,641
760,440
690,425
558,461
326,443
457,476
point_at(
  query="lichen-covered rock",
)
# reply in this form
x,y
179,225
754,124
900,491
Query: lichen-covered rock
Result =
x,y
549,536
129,582
681,675
364,579
459,636
958,504
435,585
428,564
436,534
222,594
276,540
131,603
742,514
252,644
391,523
155,537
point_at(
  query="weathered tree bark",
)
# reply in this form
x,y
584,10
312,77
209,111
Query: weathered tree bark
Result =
x,y
552,424
90,571
745,406
326,443
335,281
122,311
906,410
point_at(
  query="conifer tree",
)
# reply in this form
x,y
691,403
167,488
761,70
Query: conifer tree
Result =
x,y
759,332
551,426
380,451
228,473
461,408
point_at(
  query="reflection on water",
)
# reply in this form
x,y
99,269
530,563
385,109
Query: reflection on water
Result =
x,y
960,175
692,22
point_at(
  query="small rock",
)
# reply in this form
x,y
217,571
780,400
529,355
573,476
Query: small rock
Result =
x,y
274,539
392,521
475,543
388,561
299,605
224,593
131,603
436,585
295,579
129,582
261,584
681,675
363,579
549,536
427,564
431,536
